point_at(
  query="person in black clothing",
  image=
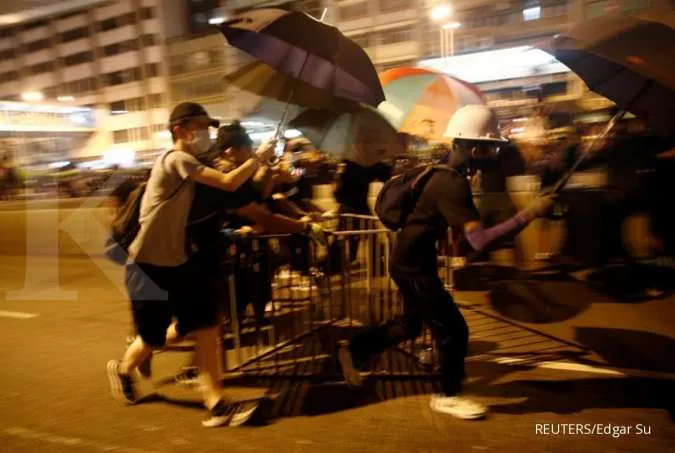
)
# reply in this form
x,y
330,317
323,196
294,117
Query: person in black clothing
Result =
x,y
446,201
351,192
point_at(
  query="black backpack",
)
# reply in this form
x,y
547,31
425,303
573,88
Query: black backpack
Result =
x,y
399,195
126,225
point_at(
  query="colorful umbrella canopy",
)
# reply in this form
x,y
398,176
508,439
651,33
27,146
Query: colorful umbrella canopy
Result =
x,y
421,101
308,50
364,136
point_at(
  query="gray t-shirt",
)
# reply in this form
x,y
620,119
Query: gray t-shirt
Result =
x,y
161,238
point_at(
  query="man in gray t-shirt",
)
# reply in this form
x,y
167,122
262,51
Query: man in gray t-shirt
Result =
x,y
162,282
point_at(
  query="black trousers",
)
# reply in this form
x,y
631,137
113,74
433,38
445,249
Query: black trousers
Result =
x,y
425,300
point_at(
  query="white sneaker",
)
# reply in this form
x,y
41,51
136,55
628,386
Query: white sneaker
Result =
x,y
458,406
351,374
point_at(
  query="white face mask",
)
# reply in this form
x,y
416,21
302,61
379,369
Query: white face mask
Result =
x,y
201,142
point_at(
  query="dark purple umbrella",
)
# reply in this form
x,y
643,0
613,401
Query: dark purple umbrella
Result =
x,y
308,50
627,59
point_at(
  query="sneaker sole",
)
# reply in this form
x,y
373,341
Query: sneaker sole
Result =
x,y
350,373
239,418
115,384
461,417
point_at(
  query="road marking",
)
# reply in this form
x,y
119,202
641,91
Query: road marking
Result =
x,y
25,433
17,314
583,368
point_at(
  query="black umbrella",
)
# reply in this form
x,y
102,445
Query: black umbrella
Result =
x,y
630,61
308,50
627,59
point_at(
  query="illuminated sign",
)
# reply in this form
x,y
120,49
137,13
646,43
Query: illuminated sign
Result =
x,y
17,116
493,65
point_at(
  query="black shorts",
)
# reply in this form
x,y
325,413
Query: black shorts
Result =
x,y
159,294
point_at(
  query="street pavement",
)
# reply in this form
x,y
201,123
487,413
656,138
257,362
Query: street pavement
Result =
x,y
608,370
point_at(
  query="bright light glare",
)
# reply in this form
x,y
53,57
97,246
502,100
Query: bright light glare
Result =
x,y
65,99
217,20
59,164
261,136
440,12
499,64
32,96
123,157
533,13
452,26
292,133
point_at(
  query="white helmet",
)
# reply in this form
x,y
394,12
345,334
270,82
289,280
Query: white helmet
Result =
x,y
475,122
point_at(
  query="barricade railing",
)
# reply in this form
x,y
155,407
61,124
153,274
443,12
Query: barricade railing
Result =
x,y
318,296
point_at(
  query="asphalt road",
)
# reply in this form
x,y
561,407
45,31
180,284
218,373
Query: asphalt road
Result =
x,y
54,394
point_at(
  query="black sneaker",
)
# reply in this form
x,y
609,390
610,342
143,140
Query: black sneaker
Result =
x,y
236,414
243,412
122,386
219,415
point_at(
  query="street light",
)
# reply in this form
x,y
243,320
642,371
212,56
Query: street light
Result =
x,y
452,26
32,96
65,98
440,14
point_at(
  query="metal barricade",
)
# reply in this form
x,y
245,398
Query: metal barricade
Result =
x,y
345,287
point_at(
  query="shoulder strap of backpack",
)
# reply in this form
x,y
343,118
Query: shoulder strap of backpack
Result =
x,y
182,181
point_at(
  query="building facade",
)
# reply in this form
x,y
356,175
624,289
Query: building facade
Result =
x,y
132,60
108,56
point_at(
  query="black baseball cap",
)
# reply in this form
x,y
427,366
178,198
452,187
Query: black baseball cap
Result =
x,y
190,110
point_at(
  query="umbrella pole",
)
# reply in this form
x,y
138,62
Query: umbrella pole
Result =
x,y
615,119
563,181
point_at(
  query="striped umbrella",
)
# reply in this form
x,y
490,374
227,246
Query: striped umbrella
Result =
x,y
421,102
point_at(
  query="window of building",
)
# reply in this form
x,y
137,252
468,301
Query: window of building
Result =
x,y
396,64
196,89
158,128
75,33
149,40
130,135
78,58
40,44
148,12
390,6
121,77
120,47
34,25
554,8
9,76
117,21
81,86
7,32
41,68
152,70
121,136
126,106
531,10
394,35
354,11
8,54
156,100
